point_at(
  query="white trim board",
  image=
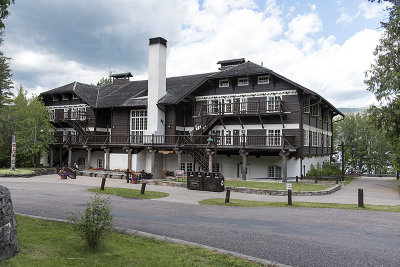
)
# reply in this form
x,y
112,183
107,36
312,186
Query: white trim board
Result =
x,y
258,94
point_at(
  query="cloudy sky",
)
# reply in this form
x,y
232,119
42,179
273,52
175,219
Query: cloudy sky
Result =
x,y
325,45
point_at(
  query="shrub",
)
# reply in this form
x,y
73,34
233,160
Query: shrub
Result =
x,y
328,169
96,222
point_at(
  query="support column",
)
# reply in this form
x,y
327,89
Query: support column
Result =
x,y
69,157
129,151
107,150
51,157
153,163
179,154
89,157
284,155
244,155
210,154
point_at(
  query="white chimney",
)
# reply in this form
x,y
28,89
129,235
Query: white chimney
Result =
x,y
156,85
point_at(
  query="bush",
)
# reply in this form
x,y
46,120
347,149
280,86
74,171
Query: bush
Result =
x,y
96,222
328,169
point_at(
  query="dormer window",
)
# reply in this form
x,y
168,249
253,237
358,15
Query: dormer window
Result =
x,y
263,79
223,83
74,96
243,81
64,97
54,98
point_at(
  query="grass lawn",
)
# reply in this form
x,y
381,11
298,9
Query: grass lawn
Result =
x,y
17,171
129,193
271,185
247,203
44,243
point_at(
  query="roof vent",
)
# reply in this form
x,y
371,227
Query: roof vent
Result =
x,y
121,78
230,63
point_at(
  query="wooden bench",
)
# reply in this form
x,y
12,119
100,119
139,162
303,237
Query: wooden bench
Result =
x,y
101,174
117,175
87,173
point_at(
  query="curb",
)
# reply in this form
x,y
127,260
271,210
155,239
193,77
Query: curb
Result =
x,y
173,240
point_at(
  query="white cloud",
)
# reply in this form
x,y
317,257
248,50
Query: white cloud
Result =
x,y
199,36
372,10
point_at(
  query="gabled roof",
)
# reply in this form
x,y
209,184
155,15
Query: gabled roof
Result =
x,y
179,87
247,68
134,93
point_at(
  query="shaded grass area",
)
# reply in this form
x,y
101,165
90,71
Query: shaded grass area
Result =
x,y
271,185
277,186
7,171
129,193
45,243
248,203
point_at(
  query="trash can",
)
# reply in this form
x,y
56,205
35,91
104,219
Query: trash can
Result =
x,y
195,180
219,182
214,181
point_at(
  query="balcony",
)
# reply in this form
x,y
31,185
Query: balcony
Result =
x,y
68,116
260,142
242,108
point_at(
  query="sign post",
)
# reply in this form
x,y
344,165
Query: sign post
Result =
x,y
13,152
289,189
179,174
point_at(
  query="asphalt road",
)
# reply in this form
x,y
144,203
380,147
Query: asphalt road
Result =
x,y
293,236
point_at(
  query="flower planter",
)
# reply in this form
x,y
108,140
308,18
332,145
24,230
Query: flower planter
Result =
x,y
63,176
134,181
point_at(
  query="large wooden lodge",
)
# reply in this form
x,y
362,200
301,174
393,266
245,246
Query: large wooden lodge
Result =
x,y
242,115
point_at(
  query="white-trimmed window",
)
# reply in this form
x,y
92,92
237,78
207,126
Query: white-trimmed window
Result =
x,y
224,83
274,138
228,137
306,136
228,105
54,98
138,125
243,81
52,114
306,105
315,138
329,140
74,96
273,104
64,97
315,110
187,166
66,113
263,79
100,163
274,171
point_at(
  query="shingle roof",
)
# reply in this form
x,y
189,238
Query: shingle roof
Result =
x,y
134,93
244,69
179,87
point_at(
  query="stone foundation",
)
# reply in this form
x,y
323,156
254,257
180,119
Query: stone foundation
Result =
x,y
8,226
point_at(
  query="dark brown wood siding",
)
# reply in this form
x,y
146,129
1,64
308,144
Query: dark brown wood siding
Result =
x,y
170,120
120,121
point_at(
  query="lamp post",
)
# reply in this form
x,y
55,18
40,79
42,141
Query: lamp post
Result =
x,y
210,141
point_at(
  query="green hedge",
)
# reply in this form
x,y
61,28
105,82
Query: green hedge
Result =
x,y
328,169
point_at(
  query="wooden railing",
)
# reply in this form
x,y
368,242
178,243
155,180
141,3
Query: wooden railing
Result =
x,y
273,141
242,108
68,116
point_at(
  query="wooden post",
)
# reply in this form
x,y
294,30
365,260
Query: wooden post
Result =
x,y
210,159
244,155
51,157
360,197
228,195
103,182
89,156
297,178
178,152
289,197
143,188
284,156
342,145
397,175
69,157
107,150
